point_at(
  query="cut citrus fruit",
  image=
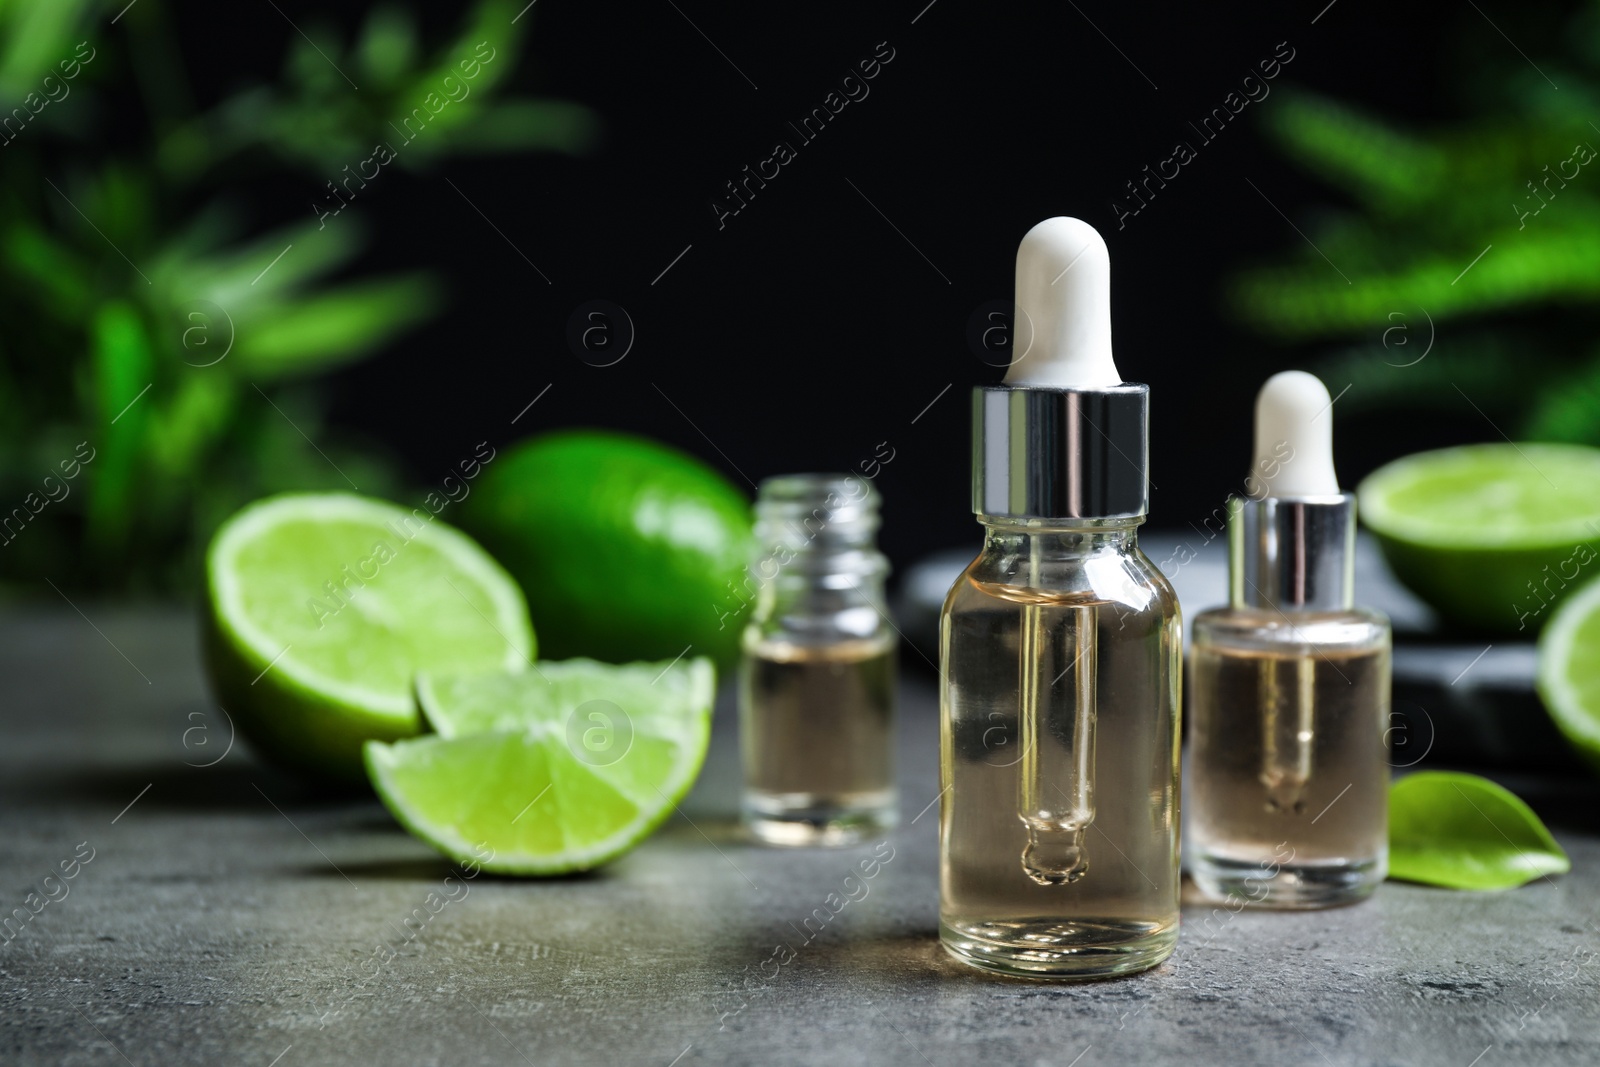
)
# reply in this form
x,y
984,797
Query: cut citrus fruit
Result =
x,y
1490,535
580,761
323,607
1569,670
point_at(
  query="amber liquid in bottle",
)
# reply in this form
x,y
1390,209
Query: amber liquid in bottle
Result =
x,y
817,734
1059,757
816,680
1288,771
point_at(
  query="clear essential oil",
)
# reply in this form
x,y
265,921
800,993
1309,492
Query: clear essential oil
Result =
x,y
1060,654
1059,822
817,679
1288,770
1288,765
818,739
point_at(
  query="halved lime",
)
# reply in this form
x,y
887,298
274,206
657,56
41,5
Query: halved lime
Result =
x,y
323,607
1569,670
581,761
1490,535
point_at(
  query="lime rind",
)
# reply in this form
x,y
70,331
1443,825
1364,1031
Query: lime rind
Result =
x,y
1498,516
1569,648
384,762
507,614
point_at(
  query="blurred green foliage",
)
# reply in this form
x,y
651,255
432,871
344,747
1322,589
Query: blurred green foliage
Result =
x,y
1517,183
140,314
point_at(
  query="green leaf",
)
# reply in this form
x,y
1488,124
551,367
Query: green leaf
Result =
x,y
33,39
490,37
278,262
1368,157
1567,408
1549,265
514,126
179,429
388,45
30,253
124,368
308,64
1403,369
335,326
1464,832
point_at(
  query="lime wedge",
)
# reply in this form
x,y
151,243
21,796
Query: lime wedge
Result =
x,y
580,761
1569,670
534,699
1490,535
323,607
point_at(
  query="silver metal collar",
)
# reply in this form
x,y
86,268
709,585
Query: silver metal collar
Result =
x,y
1293,553
1040,453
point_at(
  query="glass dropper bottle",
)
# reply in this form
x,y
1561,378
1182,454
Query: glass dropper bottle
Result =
x,y
817,678
1060,655
1288,763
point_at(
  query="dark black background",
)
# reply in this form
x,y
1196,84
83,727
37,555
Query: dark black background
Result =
x,y
808,330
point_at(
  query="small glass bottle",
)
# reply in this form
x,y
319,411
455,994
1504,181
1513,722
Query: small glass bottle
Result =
x,y
1060,657
1288,767
816,694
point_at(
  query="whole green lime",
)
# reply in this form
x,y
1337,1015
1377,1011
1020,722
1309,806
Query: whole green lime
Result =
x,y
627,549
1492,536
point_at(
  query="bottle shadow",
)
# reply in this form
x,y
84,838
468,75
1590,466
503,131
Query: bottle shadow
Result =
x,y
917,956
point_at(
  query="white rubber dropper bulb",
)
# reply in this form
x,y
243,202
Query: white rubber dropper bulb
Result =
x,y
1062,329
1294,437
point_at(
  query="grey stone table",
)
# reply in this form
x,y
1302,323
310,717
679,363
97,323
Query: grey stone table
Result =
x,y
226,915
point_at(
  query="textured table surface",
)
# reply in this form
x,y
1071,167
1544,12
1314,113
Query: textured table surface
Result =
x,y
229,916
